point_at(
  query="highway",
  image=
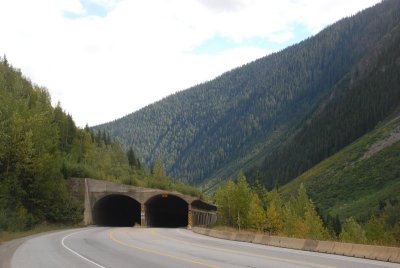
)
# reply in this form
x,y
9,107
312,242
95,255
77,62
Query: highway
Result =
x,y
156,247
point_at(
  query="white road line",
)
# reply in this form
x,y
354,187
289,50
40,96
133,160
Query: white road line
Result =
x,y
76,253
298,252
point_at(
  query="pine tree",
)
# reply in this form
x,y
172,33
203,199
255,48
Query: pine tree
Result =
x,y
133,163
314,223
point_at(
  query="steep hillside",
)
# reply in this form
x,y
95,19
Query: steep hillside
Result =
x,y
40,148
361,180
232,123
32,145
367,95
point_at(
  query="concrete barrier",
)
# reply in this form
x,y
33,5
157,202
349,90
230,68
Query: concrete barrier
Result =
x,y
395,258
244,237
293,243
324,246
342,249
310,245
258,239
381,253
362,251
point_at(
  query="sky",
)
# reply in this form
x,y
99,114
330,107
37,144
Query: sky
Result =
x,y
104,59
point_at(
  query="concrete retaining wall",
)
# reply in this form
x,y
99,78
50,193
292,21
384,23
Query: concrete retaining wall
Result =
x,y
390,254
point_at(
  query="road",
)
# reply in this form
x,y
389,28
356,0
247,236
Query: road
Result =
x,y
151,247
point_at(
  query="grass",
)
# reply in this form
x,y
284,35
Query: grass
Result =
x,y
348,184
7,235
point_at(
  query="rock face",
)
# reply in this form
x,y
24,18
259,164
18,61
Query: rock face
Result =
x,y
392,138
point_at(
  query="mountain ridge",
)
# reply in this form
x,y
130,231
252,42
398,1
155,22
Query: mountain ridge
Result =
x,y
212,130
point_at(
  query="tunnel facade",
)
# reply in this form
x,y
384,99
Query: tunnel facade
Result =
x,y
112,204
166,210
116,210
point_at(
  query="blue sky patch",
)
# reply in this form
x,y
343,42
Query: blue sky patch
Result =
x,y
90,9
218,44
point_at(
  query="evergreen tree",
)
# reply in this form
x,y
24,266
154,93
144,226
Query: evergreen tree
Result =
x,y
261,191
133,162
315,226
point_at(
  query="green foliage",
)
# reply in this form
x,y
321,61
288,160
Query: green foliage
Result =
x,y
261,192
224,200
364,97
240,206
376,233
301,219
234,202
41,147
32,188
334,225
132,160
352,232
256,215
242,194
282,113
274,214
359,183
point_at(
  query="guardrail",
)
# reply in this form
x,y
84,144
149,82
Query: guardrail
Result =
x,y
381,253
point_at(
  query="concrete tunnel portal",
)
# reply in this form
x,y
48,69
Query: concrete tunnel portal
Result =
x,y
112,204
116,210
167,210
162,210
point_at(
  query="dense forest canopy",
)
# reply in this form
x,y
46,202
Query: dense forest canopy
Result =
x,y
41,147
300,118
263,117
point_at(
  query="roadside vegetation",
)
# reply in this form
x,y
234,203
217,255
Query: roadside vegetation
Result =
x,y
40,228
41,148
252,207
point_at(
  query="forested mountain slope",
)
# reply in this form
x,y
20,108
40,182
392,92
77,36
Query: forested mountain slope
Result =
x,y
254,112
364,97
40,148
360,181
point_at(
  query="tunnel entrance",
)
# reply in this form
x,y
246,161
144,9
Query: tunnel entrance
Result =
x,y
167,210
116,210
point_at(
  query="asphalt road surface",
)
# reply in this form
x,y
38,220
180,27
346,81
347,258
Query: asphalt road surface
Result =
x,y
150,247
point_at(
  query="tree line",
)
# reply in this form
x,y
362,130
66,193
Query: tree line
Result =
x,y
231,123
41,147
252,207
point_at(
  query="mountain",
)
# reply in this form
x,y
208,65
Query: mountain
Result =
x,y
365,96
266,118
361,180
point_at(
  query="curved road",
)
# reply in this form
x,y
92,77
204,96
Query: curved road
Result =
x,y
149,247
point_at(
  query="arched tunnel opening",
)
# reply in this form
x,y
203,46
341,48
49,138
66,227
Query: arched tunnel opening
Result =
x,y
116,210
167,210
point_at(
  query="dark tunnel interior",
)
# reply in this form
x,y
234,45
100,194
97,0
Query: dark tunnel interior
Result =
x,y
203,205
116,210
167,211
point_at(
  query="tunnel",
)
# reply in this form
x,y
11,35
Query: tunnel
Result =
x,y
167,210
116,210
199,204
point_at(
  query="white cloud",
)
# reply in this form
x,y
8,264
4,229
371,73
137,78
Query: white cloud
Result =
x,y
102,68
